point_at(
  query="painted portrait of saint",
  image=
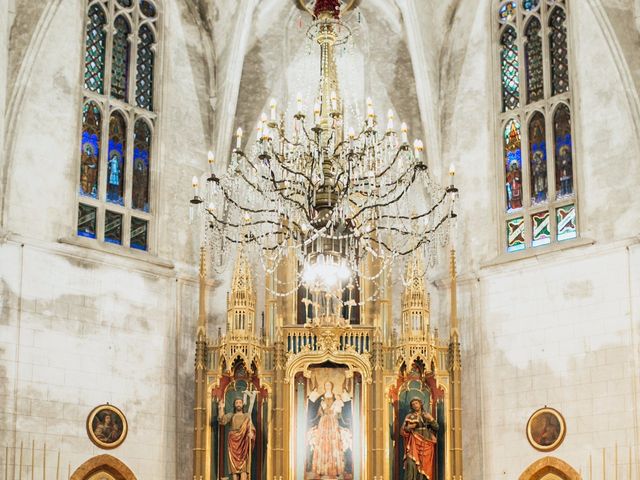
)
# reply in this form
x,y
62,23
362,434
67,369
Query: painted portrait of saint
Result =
x,y
546,429
329,434
106,426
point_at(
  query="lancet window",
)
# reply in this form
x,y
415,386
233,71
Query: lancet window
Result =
x,y
118,122
535,124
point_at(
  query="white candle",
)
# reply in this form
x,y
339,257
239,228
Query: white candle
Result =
x,y
273,106
239,138
404,130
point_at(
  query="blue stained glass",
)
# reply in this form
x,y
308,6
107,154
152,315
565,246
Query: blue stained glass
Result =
x,y
530,4
507,11
90,150
563,151
139,233
141,158
538,159
116,159
86,221
513,165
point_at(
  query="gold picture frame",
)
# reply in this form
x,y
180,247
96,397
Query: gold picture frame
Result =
x,y
546,429
107,426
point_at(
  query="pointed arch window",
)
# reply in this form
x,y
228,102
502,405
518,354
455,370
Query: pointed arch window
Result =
x,y
118,120
535,123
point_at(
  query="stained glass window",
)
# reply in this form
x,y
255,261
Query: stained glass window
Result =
x,y
95,49
566,218
558,51
116,158
141,154
515,234
144,68
120,59
86,221
138,233
564,157
90,149
541,204
537,159
113,227
541,229
510,67
118,121
533,60
147,8
513,165
507,12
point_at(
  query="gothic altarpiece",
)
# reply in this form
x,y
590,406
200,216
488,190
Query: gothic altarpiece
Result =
x,y
319,401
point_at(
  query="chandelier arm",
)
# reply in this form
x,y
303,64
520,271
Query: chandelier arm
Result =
x,y
281,162
422,241
246,209
419,216
386,204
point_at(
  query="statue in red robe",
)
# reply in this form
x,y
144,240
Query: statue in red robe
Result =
x,y
418,432
240,440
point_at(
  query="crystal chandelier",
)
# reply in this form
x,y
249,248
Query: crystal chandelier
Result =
x,y
345,201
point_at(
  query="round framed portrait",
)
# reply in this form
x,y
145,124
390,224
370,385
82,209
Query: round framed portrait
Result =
x,y
106,426
546,429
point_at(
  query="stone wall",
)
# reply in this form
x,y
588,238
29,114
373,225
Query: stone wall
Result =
x,y
82,324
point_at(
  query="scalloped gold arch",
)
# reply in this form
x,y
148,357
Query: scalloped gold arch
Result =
x,y
351,360
547,465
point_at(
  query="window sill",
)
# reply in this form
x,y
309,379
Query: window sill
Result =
x,y
535,252
118,250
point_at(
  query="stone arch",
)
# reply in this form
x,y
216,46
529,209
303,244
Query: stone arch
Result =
x,y
103,464
550,465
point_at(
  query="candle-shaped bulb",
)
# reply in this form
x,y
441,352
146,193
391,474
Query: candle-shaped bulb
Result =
x,y
239,138
352,133
404,129
452,170
316,113
418,147
299,103
273,106
210,157
211,207
194,182
370,111
334,101
390,122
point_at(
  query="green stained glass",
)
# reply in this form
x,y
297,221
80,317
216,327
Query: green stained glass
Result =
x,y
147,8
538,159
566,218
144,68
95,49
515,234
564,157
510,67
530,5
141,163
559,51
540,226
533,61
120,59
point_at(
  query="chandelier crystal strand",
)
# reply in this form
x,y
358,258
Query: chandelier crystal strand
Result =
x,y
333,194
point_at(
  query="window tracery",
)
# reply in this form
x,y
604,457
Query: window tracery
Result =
x,y
118,121
535,123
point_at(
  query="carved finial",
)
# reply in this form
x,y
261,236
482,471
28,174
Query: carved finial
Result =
x,y
202,308
454,295
241,301
415,300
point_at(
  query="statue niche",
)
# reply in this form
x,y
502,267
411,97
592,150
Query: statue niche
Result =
x,y
417,410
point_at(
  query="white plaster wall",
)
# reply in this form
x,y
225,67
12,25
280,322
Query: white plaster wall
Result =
x,y
82,326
